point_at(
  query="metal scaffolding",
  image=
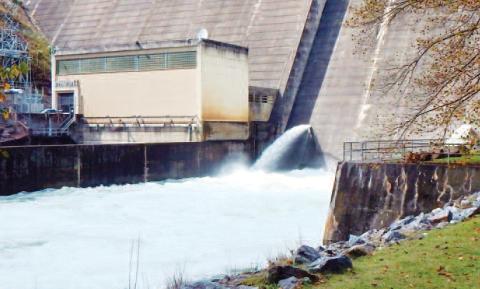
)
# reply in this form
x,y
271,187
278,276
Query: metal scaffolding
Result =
x,y
13,51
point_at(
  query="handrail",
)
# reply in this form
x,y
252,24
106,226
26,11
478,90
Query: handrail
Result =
x,y
384,149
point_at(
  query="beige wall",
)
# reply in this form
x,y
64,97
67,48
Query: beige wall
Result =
x,y
146,93
216,91
224,85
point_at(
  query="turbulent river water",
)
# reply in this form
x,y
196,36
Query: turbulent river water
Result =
x,y
82,238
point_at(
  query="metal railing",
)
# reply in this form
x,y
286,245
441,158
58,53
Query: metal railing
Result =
x,y
141,121
61,130
385,149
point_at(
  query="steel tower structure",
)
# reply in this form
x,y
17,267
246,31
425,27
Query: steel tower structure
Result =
x,y
13,49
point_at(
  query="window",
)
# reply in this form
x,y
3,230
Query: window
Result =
x,y
144,62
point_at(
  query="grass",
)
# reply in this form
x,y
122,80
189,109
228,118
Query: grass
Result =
x,y
463,160
445,258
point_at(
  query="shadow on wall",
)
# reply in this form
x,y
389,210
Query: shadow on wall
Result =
x,y
318,61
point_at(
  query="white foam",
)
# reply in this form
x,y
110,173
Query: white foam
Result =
x,y
81,238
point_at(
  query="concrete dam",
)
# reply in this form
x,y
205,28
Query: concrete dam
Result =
x,y
299,49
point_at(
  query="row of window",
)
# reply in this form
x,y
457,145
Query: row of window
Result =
x,y
260,99
161,61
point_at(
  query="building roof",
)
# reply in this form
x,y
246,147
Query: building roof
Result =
x,y
150,45
271,29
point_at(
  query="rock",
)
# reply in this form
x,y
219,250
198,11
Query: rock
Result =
x,y
373,235
476,203
441,216
290,283
306,281
400,223
202,285
392,236
465,202
354,240
331,264
306,254
277,273
237,280
419,224
360,250
441,225
476,211
225,280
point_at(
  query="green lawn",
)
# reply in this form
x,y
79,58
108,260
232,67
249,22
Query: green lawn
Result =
x,y
464,160
445,258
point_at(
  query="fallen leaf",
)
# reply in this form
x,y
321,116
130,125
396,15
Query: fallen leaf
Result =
x,y
374,284
468,279
461,258
473,257
441,273
406,276
448,275
385,269
429,282
411,285
440,269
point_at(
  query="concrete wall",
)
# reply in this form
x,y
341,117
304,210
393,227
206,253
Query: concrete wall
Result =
x,y
335,95
224,82
271,29
41,167
86,134
372,196
146,93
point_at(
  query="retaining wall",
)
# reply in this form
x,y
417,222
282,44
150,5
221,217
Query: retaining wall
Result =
x,y
35,168
372,196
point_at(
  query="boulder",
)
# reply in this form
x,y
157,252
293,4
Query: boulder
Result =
x,y
373,235
392,236
224,280
202,285
360,250
419,224
400,223
441,216
331,264
306,281
441,225
289,283
277,273
306,254
237,280
476,211
354,240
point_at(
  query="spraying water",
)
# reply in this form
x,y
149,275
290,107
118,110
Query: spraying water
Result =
x,y
82,238
294,149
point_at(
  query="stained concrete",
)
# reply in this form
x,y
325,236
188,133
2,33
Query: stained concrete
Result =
x,y
372,196
321,76
40,167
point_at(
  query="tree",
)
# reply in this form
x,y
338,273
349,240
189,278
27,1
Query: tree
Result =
x,y
9,73
441,81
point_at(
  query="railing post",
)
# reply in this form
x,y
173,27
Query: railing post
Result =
x,y
351,151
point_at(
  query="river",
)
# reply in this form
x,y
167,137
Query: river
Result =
x,y
82,237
